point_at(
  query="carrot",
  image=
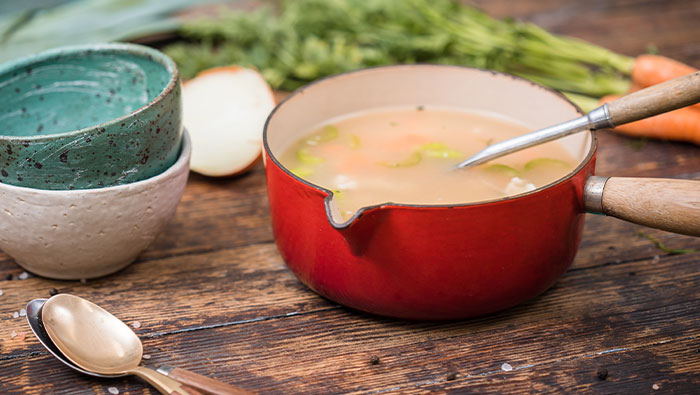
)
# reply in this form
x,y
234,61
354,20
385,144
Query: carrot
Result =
x,y
635,87
654,69
681,125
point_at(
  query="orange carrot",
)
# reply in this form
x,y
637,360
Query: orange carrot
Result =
x,y
654,69
681,125
635,87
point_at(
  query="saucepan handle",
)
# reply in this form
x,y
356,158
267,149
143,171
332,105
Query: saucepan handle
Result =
x,y
668,204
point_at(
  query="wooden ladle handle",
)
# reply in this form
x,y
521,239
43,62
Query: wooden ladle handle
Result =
x,y
668,204
202,384
667,96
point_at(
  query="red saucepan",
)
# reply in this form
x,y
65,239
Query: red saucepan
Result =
x,y
448,261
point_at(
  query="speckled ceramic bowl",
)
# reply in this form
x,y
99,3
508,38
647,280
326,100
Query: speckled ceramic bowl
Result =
x,y
91,232
88,116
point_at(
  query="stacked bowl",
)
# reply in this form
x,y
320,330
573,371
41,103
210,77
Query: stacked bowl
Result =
x,y
93,157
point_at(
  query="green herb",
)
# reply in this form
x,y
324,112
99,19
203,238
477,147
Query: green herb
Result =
x,y
662,247
309,39
652,49
585,103
535,163
305,156
339,194
302,171
355,141
637,144
328,133
414,159
439,150
503,169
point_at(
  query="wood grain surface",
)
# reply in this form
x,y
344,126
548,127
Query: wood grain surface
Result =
x,y
213,296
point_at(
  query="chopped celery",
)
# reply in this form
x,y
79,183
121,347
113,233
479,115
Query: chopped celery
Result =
x,y
305,156
535,163
503,169
439,150
354,141
302,171
328,133
338,194
412,160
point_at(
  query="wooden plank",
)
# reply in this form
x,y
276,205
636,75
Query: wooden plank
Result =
x,y
671,366
213,295
292,337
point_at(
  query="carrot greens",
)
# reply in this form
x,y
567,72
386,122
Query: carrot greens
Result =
x,y
293,42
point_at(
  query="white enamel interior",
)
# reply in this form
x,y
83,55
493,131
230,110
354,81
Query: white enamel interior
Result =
x,y
438,86
429,85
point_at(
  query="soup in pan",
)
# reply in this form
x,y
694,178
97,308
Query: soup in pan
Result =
x,y
407,155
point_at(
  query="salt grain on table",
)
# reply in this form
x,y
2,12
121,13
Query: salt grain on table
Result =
x,y
146,356
23,276
136,324
13,334
1,292
506,367
15,315
655,387
113,390
22,312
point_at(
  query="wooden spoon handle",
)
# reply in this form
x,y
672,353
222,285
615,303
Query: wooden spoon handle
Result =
x,y
201,383
667,96
668,204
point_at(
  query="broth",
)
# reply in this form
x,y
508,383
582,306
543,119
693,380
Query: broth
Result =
x,y
407,155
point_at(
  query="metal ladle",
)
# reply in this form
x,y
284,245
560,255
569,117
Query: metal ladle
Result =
x,y
92,341
657,99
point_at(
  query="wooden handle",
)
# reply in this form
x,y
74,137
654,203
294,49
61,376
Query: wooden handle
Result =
x,y
190,391
657,99
205,384
672,205
161,382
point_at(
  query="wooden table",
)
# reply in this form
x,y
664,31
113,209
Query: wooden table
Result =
x,y
213,295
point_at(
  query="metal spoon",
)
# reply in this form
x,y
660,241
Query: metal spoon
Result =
x,y
658,99
90,340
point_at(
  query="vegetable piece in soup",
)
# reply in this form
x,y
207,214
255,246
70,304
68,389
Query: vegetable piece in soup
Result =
x,y
407,155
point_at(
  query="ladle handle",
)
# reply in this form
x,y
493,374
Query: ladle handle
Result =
x,y
667,96
668,204
205,385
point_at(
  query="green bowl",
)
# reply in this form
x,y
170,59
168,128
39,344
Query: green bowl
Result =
x,y
89,116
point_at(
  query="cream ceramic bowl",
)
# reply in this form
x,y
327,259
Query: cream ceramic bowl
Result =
x,y
81,234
